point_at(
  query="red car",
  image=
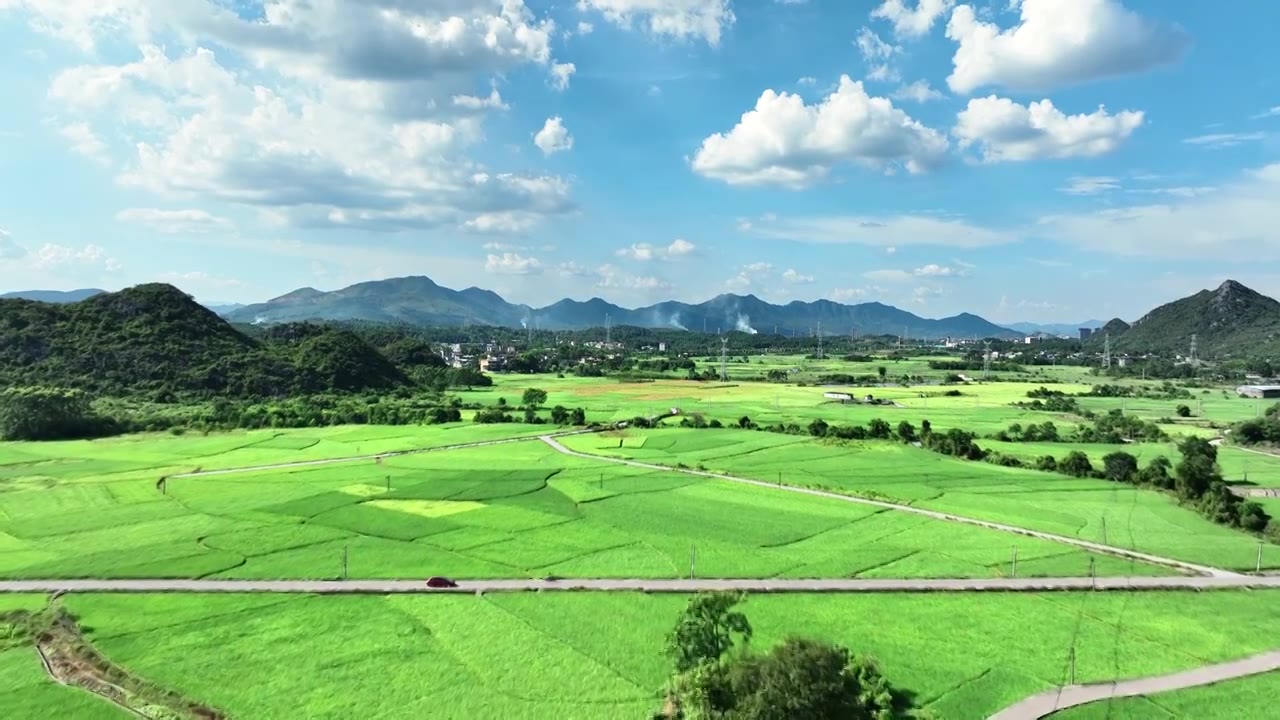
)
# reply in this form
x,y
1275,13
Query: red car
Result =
x,y
440,582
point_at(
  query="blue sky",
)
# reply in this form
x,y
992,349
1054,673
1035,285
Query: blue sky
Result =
x,y
1024,160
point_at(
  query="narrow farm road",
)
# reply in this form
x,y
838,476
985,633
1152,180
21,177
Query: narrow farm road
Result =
x,y
374,456
1095,547
1047,703
760,585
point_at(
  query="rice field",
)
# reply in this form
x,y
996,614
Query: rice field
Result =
x,y
516,510
1094,510
1251,697
599,655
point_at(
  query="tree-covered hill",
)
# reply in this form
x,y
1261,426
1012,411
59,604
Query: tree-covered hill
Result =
x,y
1232,321
156,340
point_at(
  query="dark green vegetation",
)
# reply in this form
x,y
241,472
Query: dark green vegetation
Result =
x,y
1259,431
154,340
419,301
1232,321
798,679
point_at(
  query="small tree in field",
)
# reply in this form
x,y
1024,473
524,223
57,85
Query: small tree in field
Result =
x,y
534,398
706,630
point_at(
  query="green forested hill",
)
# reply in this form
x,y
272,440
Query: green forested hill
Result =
x,y
1229,322
154,339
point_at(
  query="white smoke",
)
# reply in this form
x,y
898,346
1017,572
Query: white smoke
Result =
x,y
744,325
675,322
524,323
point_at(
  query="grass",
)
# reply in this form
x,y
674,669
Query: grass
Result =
x,y
1251,697
599,655
1093,510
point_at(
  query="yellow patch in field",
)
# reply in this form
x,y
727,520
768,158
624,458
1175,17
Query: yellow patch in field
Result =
x,y
427,508
363,490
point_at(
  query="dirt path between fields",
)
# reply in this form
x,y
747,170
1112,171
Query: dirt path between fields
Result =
x,y
1047,703
1085,544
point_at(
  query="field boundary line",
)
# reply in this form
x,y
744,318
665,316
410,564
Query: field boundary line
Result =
x,y
937,515
373,456
1045,704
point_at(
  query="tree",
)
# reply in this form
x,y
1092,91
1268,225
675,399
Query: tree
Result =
x,y
40,413
879,429
534,398
1157,474
745,423
1184,411
883,371
1120,467
818,428
578,417
559,415
1047,463
706,629
906,432
801,679
926,429
1076,464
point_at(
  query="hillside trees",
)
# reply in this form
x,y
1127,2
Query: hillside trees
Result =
x,y
40,413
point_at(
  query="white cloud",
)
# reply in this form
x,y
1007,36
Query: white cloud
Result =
x,y
644,251
807,80
560,74
509,263
785,142
553,137
1181,191
889,232
200,279
1058,43
324,113
748,276
1216,141
877,54
84,141
794,277
571,269
939,271
1090,185
1273,112
680,19
918,91
56,257
501,222
1006,131
922,295
908,22
174,221
610,277
890,276
845,295
9,248
1242,217
585,28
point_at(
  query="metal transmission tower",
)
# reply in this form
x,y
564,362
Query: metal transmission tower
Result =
x,y
986,359
1106,352
724,359
819,339
1194,348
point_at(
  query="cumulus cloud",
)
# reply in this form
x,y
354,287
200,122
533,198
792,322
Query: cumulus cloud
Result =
x,y
680,19
908,22
553,137
1188,227
644,251
939,271
560,74
510,263
174,221
795,277
877,54
783,141
324,113
889,232
1003,130
1058,43
56,257
611,277
9,248
918,91
84,141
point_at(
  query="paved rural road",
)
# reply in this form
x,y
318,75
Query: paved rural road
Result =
x,y
759,585
1095,547
1047,703
375,456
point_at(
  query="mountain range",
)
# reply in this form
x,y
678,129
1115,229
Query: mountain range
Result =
x,y
57,297
1061,329
420,301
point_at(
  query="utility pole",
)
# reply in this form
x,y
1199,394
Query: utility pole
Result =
x,y
1014,572
724,359
986,360
1104,529
1258,566
344,562
693,561
1106,352
1072,680
819,339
